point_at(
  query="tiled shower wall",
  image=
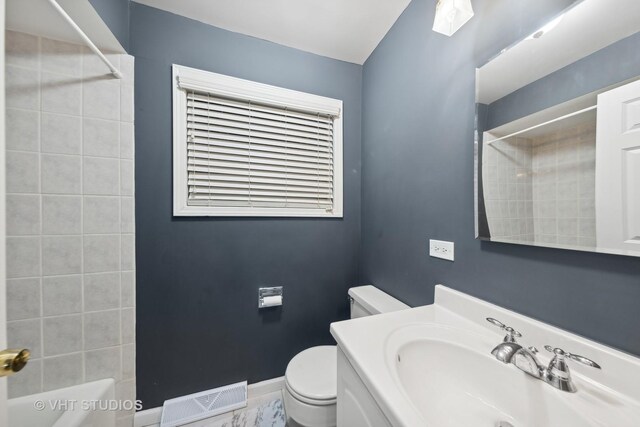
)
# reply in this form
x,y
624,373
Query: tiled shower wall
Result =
x,y
506,168
70,216
564,186
542,189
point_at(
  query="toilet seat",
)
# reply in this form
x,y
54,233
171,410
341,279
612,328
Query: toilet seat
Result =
x,y
311,376
307,400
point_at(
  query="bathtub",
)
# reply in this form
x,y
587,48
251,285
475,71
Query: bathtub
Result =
x,y
65,407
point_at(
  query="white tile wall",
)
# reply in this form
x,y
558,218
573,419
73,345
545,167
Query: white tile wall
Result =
x,y
508,189
23,172
61,295
60,174
70,216
23,213
61,214
542,189
61,134
23,130
564,186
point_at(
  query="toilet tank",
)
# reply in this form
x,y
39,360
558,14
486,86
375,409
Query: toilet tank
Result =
x,y
368,300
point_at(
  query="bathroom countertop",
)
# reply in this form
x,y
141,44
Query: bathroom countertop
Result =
x,y
364,343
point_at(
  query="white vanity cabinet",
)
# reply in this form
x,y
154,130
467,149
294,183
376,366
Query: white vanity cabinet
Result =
x,y
356,406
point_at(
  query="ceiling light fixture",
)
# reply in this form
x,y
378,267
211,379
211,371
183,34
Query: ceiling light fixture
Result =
x,y
548,27
451,15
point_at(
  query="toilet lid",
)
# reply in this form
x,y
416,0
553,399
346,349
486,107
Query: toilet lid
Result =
x,y
313,373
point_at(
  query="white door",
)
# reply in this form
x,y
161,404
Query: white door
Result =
x,y
618,169
3,270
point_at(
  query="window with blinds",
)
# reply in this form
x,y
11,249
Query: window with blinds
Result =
x,y
247,149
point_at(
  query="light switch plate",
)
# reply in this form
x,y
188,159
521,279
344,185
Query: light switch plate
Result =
x,y
441,249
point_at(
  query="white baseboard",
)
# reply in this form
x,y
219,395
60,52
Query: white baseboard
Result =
x,y
265,387
152,417
148,417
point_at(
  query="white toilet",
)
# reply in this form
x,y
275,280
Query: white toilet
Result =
x,y
311,376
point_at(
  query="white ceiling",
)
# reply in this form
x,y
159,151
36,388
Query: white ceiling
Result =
x,y
348,30
584,29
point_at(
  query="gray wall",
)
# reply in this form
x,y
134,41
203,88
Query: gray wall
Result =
x,y
115,13
417,183
198,278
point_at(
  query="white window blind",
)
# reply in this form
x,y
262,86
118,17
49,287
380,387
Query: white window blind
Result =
x,y
245,154
246,149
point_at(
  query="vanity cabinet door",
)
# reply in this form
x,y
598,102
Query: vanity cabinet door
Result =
x,y
356,407
618,168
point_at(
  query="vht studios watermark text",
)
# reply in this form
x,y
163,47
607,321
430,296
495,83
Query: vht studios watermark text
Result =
x,y
87,405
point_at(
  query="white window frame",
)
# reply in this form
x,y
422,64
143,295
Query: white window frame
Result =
x,y
185,78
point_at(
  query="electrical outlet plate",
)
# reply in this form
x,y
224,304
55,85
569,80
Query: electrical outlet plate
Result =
x,y
441,249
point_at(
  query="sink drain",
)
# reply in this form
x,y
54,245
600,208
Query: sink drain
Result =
x,y
504,424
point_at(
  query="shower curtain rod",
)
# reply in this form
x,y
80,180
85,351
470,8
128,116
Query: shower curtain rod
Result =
x,y
520,132
116,73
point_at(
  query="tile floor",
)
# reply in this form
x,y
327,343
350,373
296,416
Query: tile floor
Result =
x,y
263,411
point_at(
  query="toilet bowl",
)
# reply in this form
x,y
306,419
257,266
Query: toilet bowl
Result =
x,y
310,387
311,376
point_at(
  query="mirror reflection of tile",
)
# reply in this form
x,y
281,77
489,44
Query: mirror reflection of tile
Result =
x,y
542,189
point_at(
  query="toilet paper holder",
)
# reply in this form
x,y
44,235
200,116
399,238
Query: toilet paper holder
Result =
x,y
270,297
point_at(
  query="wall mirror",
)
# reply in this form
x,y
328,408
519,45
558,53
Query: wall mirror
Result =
x,y
558,134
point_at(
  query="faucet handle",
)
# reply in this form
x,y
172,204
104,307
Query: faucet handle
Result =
x,y
560,354
512,334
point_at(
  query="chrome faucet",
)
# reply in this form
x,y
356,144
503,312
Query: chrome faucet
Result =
x,y
504,351
557,374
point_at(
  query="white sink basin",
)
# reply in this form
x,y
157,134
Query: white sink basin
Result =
x,y
432,366
451,383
